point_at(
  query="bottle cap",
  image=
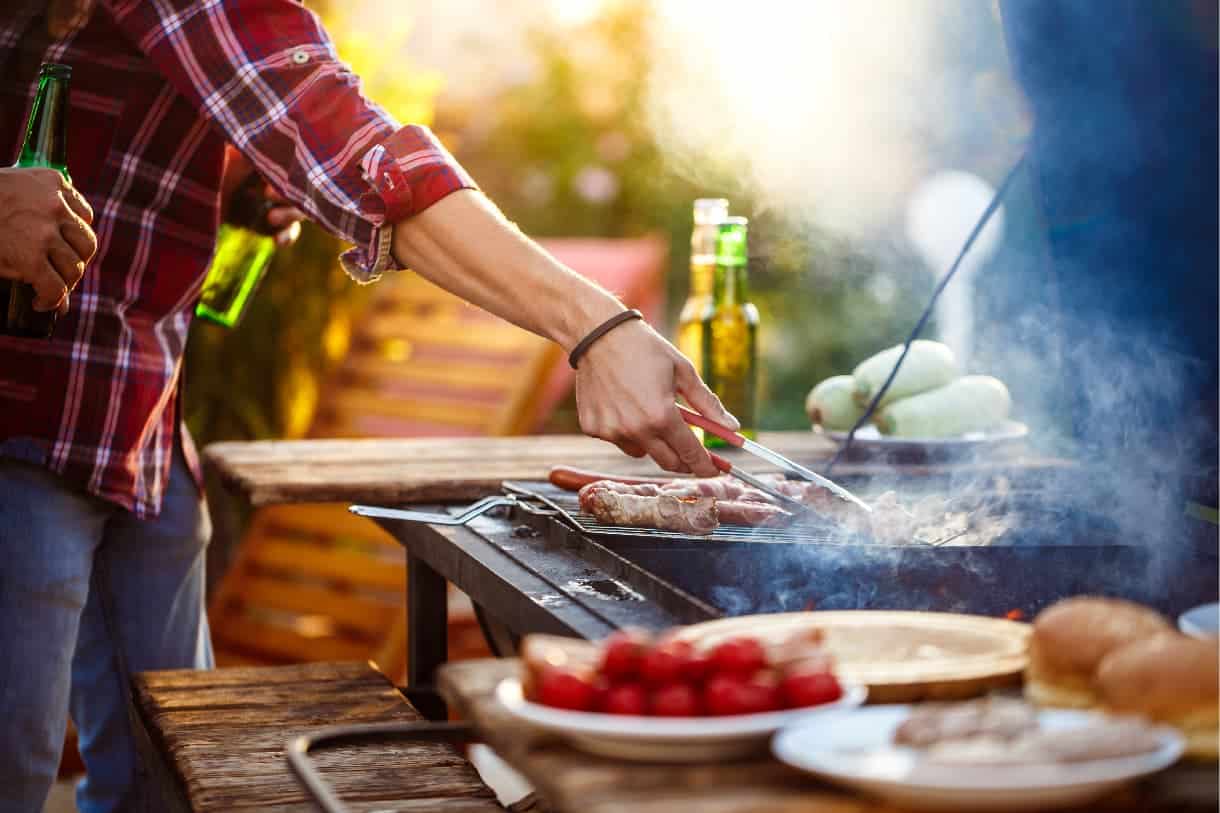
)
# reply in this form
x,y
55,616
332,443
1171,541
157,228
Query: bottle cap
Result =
x,y
710,210
731,242
56,70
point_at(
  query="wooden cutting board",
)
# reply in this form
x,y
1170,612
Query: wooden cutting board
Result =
x,y
901,656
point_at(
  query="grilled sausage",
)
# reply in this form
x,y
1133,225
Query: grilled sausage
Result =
x,y
694,515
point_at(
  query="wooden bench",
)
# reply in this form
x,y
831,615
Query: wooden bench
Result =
x,y
216,740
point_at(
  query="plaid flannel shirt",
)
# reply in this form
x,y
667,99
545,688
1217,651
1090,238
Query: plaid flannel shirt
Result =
x,y
159,87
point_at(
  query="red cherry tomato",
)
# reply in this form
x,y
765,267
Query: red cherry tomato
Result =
x,y
732,694
676,700
622,653
626,698
809,689
697,667
601,689
738,656
565,689
662,664
762,694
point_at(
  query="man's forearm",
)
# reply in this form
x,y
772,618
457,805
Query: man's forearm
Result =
x,y
466,246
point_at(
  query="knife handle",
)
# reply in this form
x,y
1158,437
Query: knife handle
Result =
x,y
707,425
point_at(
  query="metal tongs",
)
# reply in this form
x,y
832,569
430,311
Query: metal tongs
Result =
x,y
773,457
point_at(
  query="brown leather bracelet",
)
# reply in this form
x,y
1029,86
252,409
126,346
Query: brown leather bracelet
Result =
x,y
601,330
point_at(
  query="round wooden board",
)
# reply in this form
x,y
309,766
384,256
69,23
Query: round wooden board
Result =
x,y
901,656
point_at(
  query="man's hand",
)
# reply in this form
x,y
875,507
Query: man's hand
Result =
x,y
626,385
282,218
45,234
627,382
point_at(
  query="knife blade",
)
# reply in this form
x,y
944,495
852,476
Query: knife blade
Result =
x,y
770,455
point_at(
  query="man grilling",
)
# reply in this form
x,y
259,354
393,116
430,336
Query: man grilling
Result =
x,y
102,524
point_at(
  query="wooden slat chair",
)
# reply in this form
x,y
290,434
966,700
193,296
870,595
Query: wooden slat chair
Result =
x,y
314,583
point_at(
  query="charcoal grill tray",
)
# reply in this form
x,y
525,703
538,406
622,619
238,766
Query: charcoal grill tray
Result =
x,y
742,570
813,529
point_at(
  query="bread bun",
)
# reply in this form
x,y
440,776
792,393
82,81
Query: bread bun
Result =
x,y
1069,640
1170,679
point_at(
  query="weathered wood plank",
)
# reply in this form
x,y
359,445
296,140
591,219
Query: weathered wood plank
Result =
x,y
420,470
224,733
190,679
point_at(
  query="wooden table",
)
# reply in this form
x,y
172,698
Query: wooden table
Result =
x,y
438,470
571,781
216,740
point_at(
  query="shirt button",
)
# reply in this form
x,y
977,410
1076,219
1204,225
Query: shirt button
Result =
x,y
300,57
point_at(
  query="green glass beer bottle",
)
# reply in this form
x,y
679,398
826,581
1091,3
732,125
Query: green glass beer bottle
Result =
x,y
244,248
709,212
45,145
730,330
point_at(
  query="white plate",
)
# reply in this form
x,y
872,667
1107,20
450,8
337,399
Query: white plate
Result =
x,y
1201,622
854,748
868,439
664,739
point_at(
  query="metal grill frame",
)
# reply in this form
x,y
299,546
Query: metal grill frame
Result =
x,y
566,504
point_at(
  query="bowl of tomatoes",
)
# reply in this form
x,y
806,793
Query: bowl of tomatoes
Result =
x,y
641,696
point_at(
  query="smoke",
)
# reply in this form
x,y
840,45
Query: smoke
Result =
x,y
825,109
837,113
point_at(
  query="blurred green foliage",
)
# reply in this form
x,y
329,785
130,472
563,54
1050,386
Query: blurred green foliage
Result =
x,y
570,152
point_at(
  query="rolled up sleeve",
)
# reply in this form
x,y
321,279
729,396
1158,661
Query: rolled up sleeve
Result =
x,y
266,73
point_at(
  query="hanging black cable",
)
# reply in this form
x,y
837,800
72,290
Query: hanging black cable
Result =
x,y
984,218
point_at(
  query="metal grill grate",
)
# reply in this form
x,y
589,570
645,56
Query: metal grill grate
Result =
x,y
805,533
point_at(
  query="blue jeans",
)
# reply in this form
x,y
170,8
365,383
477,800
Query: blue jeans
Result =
x,y
88,595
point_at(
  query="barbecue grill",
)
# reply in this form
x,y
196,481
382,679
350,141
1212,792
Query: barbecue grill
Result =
x,y
538,564
737,570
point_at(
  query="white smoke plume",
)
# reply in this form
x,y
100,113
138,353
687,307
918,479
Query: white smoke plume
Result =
x,y
829,108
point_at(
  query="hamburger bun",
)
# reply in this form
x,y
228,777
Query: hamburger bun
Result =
x,y
1169,679
1069,640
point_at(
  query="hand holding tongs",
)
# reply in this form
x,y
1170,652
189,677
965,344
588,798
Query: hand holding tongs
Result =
x,y
758,450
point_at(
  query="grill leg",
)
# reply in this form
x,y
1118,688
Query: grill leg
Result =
x,y
427,636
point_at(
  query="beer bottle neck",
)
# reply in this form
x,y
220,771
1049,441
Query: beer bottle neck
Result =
x,y
46,137
732,285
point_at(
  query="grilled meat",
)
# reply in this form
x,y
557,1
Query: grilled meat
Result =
x,y
750,512
687,515
735,504
890,522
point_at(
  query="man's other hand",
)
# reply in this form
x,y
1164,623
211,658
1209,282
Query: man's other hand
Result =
x,y
283,220
45,234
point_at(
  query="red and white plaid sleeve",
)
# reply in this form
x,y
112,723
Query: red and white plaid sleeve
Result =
x,y
266,73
